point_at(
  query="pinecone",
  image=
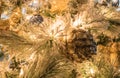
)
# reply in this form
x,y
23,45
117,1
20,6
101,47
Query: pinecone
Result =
x,y
18,2
114,3
36,19
80,45
14,64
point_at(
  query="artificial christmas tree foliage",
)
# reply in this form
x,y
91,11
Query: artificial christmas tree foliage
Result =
x,y
4,24
55,39
15,18
58,5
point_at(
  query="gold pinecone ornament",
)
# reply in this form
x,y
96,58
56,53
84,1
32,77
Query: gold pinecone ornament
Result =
x,y
80,45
